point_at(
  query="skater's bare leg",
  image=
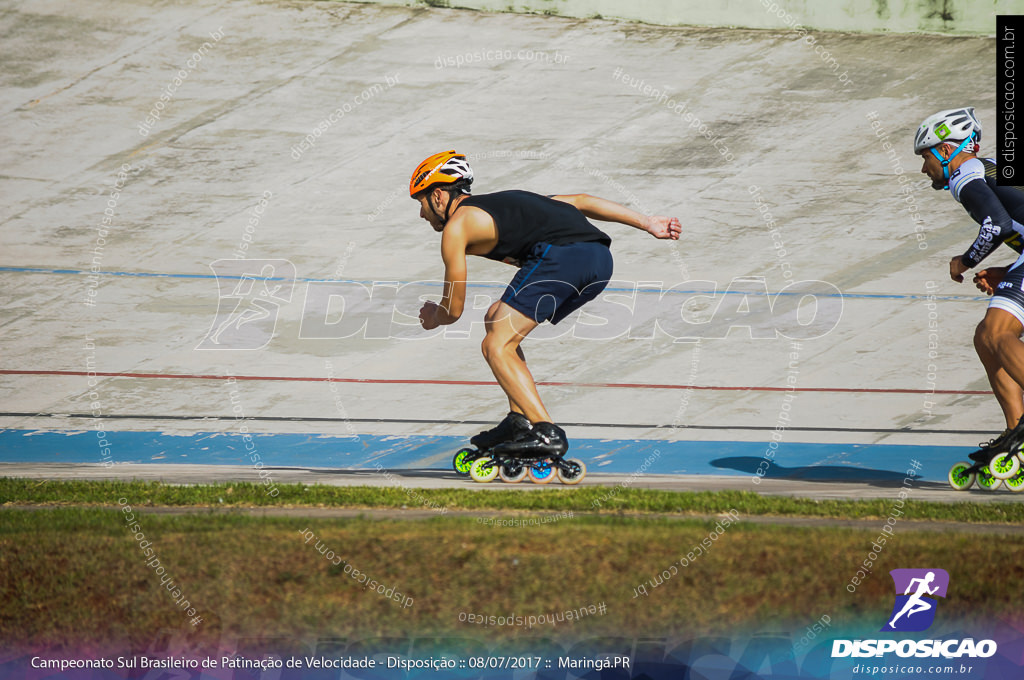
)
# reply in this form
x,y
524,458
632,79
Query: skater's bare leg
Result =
x,y
512,406
997,341
1008,393
506,328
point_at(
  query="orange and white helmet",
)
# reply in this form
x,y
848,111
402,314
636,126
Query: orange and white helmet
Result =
x,y
447,167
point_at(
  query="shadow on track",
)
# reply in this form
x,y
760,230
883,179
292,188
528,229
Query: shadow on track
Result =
x,y
824,473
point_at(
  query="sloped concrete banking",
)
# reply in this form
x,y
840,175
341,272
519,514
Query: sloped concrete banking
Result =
x,y
965,17
787,162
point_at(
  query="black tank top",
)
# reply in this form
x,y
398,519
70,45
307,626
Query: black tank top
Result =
x,y
524,219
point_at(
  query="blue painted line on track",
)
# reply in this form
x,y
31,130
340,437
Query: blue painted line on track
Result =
x,y
803,461
438,284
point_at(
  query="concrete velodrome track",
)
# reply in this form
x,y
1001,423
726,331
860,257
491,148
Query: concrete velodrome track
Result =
x,y
797,303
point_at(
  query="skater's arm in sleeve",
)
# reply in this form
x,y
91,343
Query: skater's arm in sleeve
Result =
x,y
984,206
597,208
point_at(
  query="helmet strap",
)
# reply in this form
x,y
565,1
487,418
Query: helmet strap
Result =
x,y
451,197
447,208
945,161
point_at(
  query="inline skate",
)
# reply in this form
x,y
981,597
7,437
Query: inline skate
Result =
x,y
995,463
537,453
480,444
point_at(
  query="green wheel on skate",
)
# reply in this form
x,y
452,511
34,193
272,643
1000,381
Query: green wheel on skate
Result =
x,y
577,471
1015,483
483,470
959,478
1004,465
512,472
461,462
986,481
541,472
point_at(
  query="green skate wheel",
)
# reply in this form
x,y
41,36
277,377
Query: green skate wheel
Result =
x,y
483,470
462,461
1004,466
541,472
1015,483
576,472
986,481
959,478
512,472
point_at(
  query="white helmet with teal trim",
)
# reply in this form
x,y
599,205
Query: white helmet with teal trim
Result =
x,y
957,127
953,126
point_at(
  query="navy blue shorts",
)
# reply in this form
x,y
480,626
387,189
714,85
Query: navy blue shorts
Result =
x,y
1009,294
555,281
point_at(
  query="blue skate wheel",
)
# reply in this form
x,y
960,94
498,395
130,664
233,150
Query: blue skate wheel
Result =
x,y
541,472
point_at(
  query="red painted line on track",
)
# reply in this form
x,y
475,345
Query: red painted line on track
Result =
x,y
491,383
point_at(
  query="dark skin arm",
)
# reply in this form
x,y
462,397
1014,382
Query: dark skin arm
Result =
x,y
987,279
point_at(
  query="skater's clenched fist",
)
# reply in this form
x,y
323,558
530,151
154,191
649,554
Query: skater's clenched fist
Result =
x,y
428,315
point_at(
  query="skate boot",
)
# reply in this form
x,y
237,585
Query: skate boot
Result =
x,y
545,440
539,453
987,450
513,425
508,429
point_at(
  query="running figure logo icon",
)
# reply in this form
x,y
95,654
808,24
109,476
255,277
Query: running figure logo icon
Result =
x,y
252,293
914,610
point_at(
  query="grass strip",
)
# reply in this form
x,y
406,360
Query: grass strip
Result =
x,y
76,577
598,499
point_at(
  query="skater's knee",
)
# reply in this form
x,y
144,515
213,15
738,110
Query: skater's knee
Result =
x,y
987,337
997,329
983,338
492,347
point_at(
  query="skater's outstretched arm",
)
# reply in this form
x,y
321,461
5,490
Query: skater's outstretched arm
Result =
x,y
598,208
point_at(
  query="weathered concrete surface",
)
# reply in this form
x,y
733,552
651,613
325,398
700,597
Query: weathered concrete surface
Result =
x,y
898,16
79,81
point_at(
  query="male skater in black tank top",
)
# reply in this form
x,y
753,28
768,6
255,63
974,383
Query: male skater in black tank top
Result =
x,y
564,262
